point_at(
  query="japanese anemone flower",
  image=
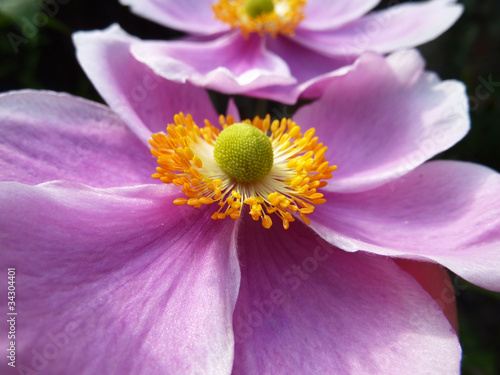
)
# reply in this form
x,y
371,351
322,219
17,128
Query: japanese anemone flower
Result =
x,y
277,49
116,275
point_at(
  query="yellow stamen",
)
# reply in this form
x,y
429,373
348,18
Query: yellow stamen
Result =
x,y
185,156
261,16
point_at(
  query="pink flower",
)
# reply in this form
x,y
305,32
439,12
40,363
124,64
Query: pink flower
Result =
x,y
286,48
114,278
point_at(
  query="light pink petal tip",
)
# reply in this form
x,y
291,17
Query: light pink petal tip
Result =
x,y
229,64
119,281
443,211
383,118
401,26
191,16
143,100
326,14
306,307
48,136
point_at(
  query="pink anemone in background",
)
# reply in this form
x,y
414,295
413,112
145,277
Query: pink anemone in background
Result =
x,y
114,278
299,46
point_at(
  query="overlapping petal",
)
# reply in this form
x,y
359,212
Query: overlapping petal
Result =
x,y
145,101
306,307
48,136
443,211
118,281
332,35
436,280
229,64
384,118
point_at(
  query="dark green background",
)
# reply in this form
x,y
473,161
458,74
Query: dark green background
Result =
x,y
470,52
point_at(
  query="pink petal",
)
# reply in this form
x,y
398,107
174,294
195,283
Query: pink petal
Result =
x,y
306,307
118,281
446,212
191,16
230,64
401,26
321,14
232,110
304,64
49,136
437,282
146,102
313,72
383,118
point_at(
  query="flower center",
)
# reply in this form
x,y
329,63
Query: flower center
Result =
x,y
261,16
244,152
272,168
254,8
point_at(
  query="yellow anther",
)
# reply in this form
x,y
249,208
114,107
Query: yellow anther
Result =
x,y
305,219
250,201
297,180
218,194
256,207
295,132
308,210
267,222
317,202
271,210
188,153
286,224
193,202
180,201
284,203
206,200
316,196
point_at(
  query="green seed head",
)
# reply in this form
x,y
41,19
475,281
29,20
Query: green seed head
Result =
x,y
244,152
255,8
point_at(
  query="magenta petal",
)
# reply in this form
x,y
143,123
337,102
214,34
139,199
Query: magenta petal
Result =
x,y
118,281
49,136
230,64
232,110
306,307
321,14
143,100
191,16
384,118
446,212
401,26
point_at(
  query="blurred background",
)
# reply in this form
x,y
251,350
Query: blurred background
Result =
x,y
36,52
